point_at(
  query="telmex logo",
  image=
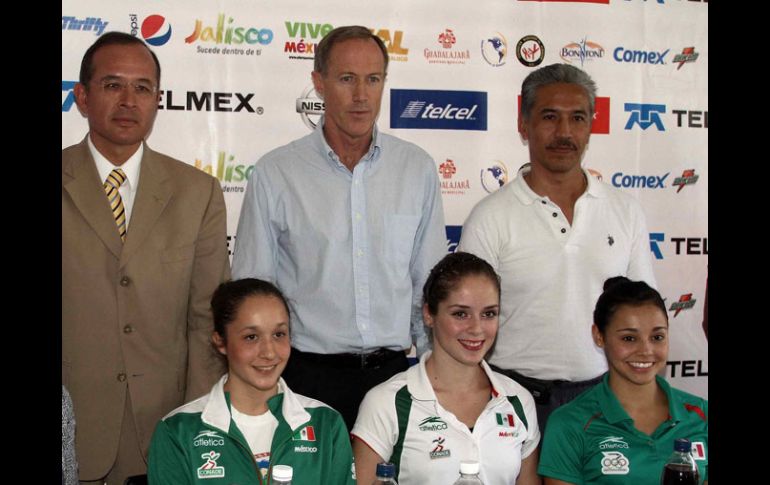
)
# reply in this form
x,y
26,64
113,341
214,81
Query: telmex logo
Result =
x,y
69,98
645,115
438,110
620,54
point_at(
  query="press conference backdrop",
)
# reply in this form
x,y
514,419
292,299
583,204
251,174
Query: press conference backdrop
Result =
x,y
236,83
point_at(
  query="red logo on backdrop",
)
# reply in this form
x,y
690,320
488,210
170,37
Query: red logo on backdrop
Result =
x,y
447,169
447,38
601,122
688,178
685,302
688,55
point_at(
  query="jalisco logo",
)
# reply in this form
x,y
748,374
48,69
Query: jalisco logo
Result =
x,y
309,104
395,51
226,170
621,54
88,24
688,55
530,51
208,438
68,99
644,115
216,101
614,463
155,30
309,35
432,423
438,110
494,176
230,35
494,49
685,302
210,469
583,50
439,451
446,55
688,178
620,179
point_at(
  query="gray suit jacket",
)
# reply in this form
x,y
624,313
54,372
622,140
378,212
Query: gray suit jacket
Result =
x,y
136,317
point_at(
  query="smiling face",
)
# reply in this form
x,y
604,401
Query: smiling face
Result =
x,y
558,127
352,89
635,343
119,119
257,348
465,325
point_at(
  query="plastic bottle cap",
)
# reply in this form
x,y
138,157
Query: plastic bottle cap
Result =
x,y
469,467
386,470
282,472
683,445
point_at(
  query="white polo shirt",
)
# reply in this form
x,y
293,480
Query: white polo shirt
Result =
x,y
403,422
552,273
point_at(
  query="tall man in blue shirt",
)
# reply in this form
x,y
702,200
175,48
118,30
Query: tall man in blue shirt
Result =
x,y
348,222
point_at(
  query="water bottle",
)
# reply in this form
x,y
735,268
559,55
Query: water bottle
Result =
x,y
469,473
282,475
385,472
680,469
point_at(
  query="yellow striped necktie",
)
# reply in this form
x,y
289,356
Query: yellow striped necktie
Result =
x,y
114,180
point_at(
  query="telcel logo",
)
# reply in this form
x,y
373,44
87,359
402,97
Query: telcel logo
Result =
x,y
453,234
428,109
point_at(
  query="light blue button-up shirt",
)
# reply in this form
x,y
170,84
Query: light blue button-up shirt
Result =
x,y
350,251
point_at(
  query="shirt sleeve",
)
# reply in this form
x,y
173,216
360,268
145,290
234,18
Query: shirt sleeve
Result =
x,y
429,247
167,462
376,423
255,254
342,468
533,431
479,237
640,262
562,453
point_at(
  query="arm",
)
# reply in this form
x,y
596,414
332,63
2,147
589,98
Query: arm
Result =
x,y
167,462
210,268
528,474
429,247
255,254
562,450
366,460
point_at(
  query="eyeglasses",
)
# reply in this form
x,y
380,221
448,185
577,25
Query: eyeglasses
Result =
x,y
141,89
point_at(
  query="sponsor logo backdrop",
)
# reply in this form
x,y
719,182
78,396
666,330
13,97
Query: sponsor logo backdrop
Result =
x,y
236,84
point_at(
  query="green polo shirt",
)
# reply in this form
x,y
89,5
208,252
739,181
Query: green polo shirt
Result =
x,y
592,440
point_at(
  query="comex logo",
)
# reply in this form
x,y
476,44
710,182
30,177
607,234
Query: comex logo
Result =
x,y
309,104
639,181
620,54
645,115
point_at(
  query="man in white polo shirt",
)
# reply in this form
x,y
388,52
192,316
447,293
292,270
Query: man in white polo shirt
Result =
x,y
554,235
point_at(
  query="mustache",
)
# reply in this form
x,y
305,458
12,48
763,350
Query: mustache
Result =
x,y
562,143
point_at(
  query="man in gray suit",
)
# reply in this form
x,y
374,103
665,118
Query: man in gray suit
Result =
x,y
143,248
